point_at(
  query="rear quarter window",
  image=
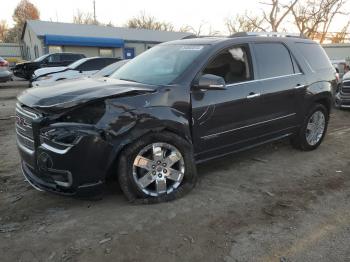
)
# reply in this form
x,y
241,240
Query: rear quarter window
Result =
x,y
314,55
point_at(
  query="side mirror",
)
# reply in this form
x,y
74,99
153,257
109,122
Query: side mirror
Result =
x,y
211,82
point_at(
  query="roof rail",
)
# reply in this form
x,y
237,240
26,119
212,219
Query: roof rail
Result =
x,y
276,34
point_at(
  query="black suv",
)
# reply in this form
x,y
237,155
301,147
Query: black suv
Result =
x,y
177,104
25,70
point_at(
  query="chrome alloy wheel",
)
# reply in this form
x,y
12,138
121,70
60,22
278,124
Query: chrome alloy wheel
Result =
x,y
158,169
315,128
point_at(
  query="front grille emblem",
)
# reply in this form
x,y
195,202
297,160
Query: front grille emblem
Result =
x,y
22,122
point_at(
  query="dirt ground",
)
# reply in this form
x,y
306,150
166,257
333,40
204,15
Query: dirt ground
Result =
x,y
272,203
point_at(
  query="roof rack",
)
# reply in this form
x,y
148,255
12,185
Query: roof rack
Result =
x,y
276,34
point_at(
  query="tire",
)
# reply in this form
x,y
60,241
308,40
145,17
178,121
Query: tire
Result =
x,y
300,140
128,171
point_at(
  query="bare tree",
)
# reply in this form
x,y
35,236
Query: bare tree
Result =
x,y
277,13
244,23
149,22
84,18
342,36
314,17
3,30
198,31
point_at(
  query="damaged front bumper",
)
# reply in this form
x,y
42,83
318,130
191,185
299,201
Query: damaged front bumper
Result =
x,y
78,168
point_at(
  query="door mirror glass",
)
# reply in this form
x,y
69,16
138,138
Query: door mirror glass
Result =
x,y
211,82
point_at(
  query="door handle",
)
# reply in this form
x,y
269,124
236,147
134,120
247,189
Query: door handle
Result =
x,y
299,86
253,95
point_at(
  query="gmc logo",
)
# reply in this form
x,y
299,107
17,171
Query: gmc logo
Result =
x,y
21,122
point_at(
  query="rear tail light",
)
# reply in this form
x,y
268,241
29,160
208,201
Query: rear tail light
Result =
x,y
337,77
4,63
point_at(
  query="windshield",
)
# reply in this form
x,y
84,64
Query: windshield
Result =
x,y
160,65
110,69
77,63
41,58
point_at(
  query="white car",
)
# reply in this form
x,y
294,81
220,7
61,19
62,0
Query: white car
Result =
x,y
83,67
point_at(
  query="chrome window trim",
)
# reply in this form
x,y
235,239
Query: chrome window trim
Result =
x,y
242,127
263,79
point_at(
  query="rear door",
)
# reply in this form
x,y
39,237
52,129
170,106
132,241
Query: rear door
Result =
x,y
282,85
225,120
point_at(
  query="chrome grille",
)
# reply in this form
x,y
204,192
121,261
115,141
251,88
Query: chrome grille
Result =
x,y
345,87
24,119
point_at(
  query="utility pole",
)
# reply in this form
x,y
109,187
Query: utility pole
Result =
x,y
94,11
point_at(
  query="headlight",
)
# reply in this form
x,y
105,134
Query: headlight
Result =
x,y
62,136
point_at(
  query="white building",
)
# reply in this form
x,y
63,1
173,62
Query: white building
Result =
x,y
41,37
337,51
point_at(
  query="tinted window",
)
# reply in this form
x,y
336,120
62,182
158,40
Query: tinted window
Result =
x,y
95,64
54,58
273,59
70,57
314,55
232,64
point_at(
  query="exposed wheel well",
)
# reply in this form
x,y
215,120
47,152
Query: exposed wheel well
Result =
x,y
324,101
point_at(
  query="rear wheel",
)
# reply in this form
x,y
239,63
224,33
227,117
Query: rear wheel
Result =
x,y
313,130
157,168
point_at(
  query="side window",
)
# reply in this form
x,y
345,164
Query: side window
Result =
x,y
315,55
54,58
232,64
273,59
90,65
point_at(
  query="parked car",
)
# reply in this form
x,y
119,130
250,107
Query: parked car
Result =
x,y
341,66
83,67
25,70
5,73
177,104
110,69
342,98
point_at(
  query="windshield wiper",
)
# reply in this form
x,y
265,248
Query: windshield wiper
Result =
x,y
129,80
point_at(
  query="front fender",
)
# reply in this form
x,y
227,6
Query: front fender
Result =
x,y
131,124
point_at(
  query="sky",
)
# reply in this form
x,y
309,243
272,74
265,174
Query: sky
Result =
x,y
179,12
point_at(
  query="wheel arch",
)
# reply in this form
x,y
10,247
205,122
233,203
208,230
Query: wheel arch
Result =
x,y
164,119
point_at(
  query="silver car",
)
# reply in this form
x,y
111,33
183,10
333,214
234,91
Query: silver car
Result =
x,y
5,73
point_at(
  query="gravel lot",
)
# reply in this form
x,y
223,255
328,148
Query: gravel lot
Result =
x,y
272,203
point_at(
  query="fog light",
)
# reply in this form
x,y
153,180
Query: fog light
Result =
x,y
44,162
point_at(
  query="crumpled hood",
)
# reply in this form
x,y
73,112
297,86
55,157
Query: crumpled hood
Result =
x,y
72,93
26,63
48,70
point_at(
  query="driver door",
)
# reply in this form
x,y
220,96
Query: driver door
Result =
x,y
225,120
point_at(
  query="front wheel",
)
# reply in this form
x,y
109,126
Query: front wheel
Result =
x,y
313,130
156,168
